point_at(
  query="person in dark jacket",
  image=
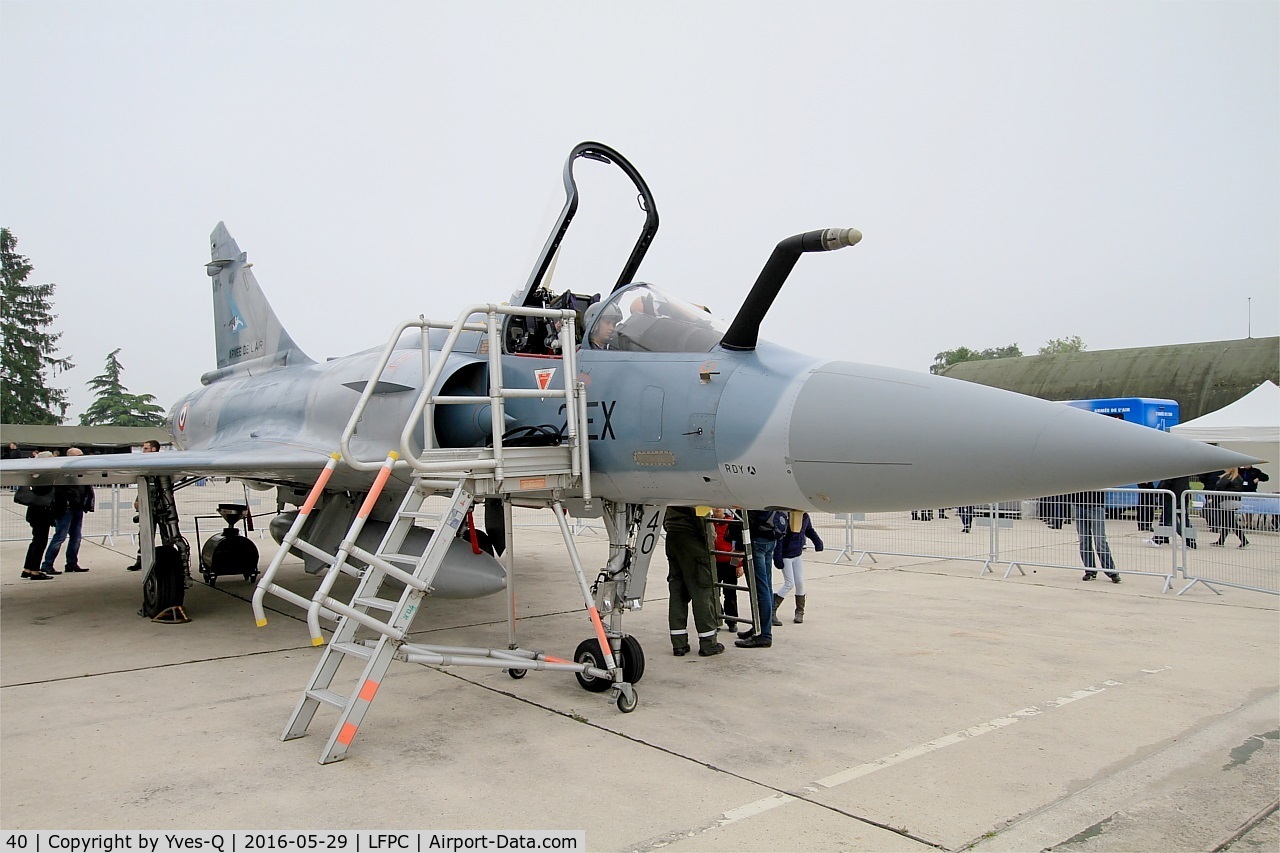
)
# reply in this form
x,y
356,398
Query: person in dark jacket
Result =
x,y
1252,477
1227,521
78,500
41,518
787,556
1091,521
766,528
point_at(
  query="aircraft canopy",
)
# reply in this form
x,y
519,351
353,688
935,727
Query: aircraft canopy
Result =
x,y
653,321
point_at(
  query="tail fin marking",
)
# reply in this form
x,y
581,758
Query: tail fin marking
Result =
x,y
246,328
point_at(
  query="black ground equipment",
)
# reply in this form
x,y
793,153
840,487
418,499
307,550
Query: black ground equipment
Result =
x,y
228,552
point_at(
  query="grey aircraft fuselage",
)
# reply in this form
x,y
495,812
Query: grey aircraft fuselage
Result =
x,y
765,428
680,410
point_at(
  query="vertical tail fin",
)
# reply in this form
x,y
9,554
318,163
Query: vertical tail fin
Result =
x,y
247,333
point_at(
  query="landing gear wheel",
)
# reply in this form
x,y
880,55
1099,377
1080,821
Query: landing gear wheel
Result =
x,y
517,673
627,705
632,659
164,586
588,652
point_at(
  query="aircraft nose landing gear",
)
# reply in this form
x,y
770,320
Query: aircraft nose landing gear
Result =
x,y
629,657
629,660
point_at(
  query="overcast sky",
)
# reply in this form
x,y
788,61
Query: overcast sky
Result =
x,y
1020,171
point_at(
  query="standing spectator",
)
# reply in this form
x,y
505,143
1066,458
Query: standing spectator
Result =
x,y
1252,477
767,528
148,446
788,557
1054,510
1228,521
1091,528
41,518
728,566
78,500
691,580
966,517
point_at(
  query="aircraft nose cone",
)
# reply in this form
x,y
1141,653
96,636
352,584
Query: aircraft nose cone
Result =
x,y
872,438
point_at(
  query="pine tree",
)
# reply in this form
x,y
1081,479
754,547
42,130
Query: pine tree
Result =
x,y
26,348
114,405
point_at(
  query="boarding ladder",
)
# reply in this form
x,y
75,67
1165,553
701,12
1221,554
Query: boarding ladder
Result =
x,y
463,473
737,517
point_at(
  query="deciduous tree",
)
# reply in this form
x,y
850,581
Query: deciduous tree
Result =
x,y
945,359
1071,344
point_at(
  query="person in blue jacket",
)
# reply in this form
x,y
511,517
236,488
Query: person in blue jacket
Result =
x,y
787,556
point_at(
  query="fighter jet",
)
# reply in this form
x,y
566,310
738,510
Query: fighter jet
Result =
x,y
657,401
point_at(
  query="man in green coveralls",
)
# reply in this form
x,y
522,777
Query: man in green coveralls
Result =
x,y
691,579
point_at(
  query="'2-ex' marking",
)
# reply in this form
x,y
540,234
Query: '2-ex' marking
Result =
x,y
606,429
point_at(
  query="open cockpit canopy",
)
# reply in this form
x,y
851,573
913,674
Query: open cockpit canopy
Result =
x,y
648,319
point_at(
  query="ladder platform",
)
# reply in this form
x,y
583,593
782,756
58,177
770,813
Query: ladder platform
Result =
x,y
524,469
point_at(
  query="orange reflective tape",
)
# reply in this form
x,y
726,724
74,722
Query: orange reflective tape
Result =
x,y
371,499
369,688
550,659
601,637
347,734
318,489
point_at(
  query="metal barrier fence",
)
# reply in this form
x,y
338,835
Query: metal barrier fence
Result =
x,y
1236,541
1143,538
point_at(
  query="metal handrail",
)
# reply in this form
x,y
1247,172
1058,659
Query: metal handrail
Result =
x,y
573,392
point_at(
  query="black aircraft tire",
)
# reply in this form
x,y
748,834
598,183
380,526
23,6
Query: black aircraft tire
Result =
x,y
588,652
632,659
164,586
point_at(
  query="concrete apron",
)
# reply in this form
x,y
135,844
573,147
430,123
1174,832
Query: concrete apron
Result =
x,y
920,706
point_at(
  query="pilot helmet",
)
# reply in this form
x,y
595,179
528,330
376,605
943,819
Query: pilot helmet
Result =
x,y
606,310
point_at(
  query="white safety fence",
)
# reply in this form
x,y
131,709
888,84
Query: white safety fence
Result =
x,y
1002,539
1141,530
1233,519
1011,537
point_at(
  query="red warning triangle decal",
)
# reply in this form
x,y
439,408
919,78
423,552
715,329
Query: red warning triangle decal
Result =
x,y
544,377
